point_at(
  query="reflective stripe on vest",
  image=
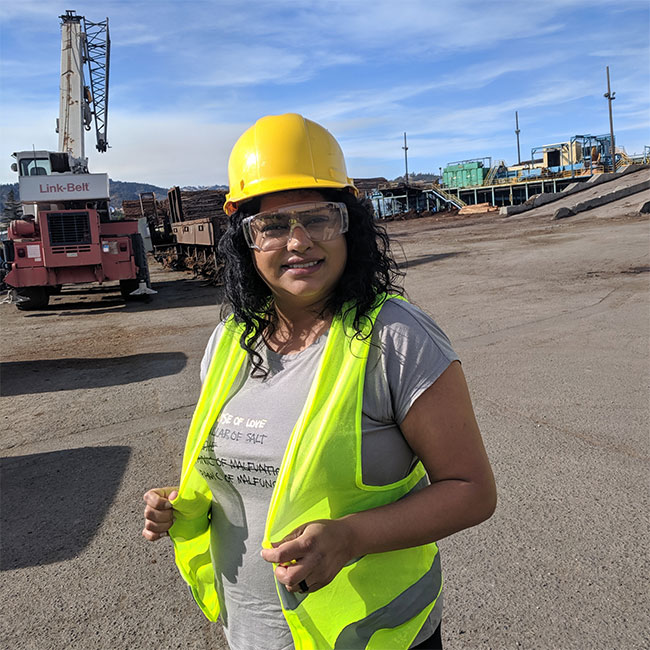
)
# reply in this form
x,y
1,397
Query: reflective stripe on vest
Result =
x,y
380,600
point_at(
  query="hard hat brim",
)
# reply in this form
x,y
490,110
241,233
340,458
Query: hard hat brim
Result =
x,y
262,187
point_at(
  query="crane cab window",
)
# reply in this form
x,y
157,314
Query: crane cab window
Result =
x,y
35,167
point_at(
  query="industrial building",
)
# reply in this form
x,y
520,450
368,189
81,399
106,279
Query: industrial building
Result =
x,y
551,168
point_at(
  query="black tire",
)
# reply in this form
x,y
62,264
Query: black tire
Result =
x,y
55,290
126,287
35,298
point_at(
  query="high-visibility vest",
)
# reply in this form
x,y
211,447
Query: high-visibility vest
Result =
x,y
378,601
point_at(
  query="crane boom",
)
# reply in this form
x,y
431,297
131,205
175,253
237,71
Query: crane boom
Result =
x,y
74,112
98,54
84,45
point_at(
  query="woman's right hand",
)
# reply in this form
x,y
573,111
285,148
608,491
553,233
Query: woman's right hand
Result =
x,y
158,513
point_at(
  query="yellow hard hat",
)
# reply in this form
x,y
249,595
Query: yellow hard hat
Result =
x,y
284,152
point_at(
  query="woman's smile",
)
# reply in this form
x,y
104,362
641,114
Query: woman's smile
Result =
x,y
303,267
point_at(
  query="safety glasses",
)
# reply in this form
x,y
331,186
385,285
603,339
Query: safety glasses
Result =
x,y
272,229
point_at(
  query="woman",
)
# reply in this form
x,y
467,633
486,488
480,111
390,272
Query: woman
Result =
x,y
334,441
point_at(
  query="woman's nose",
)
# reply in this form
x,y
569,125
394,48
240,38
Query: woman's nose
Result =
x,y
298,238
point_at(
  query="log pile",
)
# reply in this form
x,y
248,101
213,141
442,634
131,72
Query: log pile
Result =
x,y
196,204
131,209
155,214
368,185
203,203
478,208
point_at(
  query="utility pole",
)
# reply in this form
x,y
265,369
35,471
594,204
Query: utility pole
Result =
x,y
406,160
611,96
517,132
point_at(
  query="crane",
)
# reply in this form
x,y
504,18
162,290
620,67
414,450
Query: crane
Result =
x,y
66,235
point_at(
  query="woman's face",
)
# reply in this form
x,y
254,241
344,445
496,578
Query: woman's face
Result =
x,y
304,272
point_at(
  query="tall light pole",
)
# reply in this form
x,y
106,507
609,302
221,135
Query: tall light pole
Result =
x,y
406,159
517,131
611,96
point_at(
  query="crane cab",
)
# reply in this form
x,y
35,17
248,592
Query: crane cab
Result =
x,y
48,178
45,163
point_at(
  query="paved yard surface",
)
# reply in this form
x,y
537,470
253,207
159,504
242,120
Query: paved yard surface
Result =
x,y
552,321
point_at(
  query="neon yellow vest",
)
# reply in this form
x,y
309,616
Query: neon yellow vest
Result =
x,y
378,601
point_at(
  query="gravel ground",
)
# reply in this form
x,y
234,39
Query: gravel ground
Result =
x,y
551,319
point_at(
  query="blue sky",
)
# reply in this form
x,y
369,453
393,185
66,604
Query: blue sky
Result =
x,y
187,77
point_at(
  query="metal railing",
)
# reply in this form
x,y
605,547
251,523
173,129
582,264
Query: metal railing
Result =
x,y
446,196
490,177
623,161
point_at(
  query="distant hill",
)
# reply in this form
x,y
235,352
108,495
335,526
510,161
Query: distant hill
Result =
x,y
196,188
126,191
425,177
119,191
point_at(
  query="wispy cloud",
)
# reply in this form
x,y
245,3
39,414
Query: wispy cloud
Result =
x,y
249,65
27,9
11,69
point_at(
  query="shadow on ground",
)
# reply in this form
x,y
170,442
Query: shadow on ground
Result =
x,y
48,375
426,259
95,300
52,504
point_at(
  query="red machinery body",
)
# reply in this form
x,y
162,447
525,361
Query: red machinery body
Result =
x,y
71,246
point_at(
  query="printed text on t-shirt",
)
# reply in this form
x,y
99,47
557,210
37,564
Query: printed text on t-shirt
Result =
x,y
215,467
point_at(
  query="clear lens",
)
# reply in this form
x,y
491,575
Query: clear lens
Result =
x,y
273,229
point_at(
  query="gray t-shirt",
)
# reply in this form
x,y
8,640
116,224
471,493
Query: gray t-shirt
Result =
x,y
242,455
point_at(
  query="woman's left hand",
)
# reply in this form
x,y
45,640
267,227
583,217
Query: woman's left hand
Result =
x,y
314,553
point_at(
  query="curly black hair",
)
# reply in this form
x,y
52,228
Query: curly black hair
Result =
x,y
370,270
